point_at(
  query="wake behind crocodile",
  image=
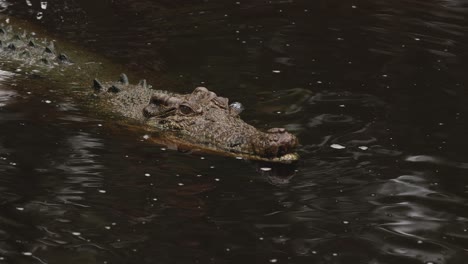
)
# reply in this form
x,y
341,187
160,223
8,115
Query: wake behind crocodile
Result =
x,y
200,120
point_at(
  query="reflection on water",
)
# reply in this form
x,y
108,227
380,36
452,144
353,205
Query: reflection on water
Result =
x,y
375,90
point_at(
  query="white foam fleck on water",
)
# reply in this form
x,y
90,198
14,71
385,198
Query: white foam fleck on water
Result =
x,y
76,233
276,71
44,5
146,136
102,191
20,208
265,169
27,253
337,146
363,148
147,174
48,101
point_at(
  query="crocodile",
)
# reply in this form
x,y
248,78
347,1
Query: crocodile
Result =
x,y
201,120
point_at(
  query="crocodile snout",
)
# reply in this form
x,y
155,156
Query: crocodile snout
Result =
x,y
275,143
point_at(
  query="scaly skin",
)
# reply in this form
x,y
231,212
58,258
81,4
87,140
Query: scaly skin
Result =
x,y
200,120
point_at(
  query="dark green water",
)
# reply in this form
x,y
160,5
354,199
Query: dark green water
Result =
x,y
375,90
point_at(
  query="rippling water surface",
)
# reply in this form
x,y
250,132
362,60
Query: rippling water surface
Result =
x,y
375,90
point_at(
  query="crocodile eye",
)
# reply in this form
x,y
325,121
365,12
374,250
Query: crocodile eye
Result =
x,y
185,109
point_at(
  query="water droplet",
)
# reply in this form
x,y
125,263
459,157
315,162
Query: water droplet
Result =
x,y
28,2
44,5
102,191
76,233
273,260
39,15
363,148
265,169
27,253
147,174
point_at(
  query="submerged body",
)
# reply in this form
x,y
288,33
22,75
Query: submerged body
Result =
x,y
200,120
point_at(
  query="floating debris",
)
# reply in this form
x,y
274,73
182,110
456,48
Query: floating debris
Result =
x,y
337,146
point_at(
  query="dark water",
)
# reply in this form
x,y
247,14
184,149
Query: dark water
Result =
x,y
375,90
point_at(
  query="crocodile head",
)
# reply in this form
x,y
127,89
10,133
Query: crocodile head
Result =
x,y
206,119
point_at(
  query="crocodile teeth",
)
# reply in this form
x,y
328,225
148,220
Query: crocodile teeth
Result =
x,y
97,85
123,79
113,89
143,84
